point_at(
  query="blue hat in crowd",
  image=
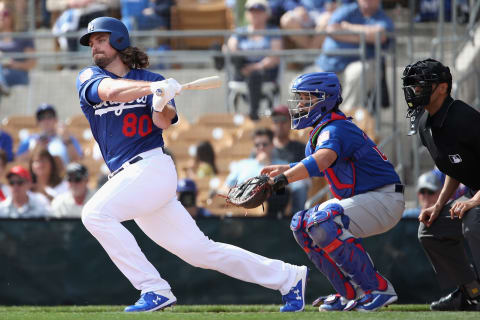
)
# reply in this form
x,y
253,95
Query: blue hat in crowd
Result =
x,y
44,108
186,185
430,181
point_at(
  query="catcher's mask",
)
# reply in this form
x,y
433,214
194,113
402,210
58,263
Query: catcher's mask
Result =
x,y
418,82
312,96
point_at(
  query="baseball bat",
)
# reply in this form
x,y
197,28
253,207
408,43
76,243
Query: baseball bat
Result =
x,y
203,83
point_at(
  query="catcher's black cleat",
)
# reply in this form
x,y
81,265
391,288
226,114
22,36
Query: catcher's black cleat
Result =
x,y
455,301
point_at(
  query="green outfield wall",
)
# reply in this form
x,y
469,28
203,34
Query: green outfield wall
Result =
x,y
58,262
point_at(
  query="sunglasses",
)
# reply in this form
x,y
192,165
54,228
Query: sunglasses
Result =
x,y
262,144
16,182
75,179
426,191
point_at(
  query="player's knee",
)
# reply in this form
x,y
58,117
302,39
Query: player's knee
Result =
x,y
321,226
296,224
88,221
298,230
92,218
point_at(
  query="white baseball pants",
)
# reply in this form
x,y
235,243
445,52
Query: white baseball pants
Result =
x,y
146,192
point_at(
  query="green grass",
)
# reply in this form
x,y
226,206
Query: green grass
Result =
x,y
213,312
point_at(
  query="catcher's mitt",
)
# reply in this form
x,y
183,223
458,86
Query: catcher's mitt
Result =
x,y
250,193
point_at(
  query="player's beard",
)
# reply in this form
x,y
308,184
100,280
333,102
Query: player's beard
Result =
x,y
103,60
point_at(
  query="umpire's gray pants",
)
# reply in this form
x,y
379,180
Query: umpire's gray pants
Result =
x,y
444,244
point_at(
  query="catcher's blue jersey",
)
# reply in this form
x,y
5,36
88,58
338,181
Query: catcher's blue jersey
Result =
x,y
122,130
360,166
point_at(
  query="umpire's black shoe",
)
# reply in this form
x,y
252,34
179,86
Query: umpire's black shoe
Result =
x,y
455,301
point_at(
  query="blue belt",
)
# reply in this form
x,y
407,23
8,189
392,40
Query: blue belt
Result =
x,y
134,160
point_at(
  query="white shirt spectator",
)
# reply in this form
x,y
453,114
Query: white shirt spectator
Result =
x,y
34,208
65,206
60,188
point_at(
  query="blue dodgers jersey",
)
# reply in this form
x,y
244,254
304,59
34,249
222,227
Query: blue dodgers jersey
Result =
x,y
360,166
122,130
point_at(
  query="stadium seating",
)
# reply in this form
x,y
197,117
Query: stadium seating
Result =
x,y
194,15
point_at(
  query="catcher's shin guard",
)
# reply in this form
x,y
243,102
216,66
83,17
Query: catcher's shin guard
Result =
x,y
320,259
347,253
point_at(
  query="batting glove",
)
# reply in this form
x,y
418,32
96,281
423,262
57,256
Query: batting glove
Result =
x,y
164,91
177,87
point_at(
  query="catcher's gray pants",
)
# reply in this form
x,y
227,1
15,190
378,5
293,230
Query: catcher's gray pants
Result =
x,y
372,212
444,244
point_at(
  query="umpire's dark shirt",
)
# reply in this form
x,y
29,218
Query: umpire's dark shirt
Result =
x,y
455,146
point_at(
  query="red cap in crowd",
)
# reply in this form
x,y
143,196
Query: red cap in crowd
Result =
x,y
21,172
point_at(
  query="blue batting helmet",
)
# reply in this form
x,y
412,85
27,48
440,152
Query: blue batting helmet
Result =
x,y
119,37
321,85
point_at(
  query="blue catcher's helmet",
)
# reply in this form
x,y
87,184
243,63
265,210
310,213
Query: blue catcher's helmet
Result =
x,y
324,86
119,37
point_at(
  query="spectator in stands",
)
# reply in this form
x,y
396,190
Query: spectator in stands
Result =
x,y
46,174
468,60
187,195
428,10
69,204
251,167
4,191
429,186
285,148
289,151
13,71
6,144
203,164
74,15
428,190
308,14
278,8
146,14
255,70
52,136
22,203
364,16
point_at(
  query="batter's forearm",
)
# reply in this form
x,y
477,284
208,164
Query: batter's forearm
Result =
x,y
123,90
164,118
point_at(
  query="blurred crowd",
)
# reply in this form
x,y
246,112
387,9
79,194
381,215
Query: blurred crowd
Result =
x,y
64,17
45,178
48,177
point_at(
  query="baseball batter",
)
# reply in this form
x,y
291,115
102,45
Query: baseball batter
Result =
x,y
127,108
369,196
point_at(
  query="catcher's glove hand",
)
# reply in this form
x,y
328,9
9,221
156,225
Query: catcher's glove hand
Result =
x,y
250,193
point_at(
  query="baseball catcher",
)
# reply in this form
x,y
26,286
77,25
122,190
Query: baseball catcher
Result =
x,y
368,195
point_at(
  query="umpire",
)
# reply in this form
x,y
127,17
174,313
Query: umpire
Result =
x,y
450,129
